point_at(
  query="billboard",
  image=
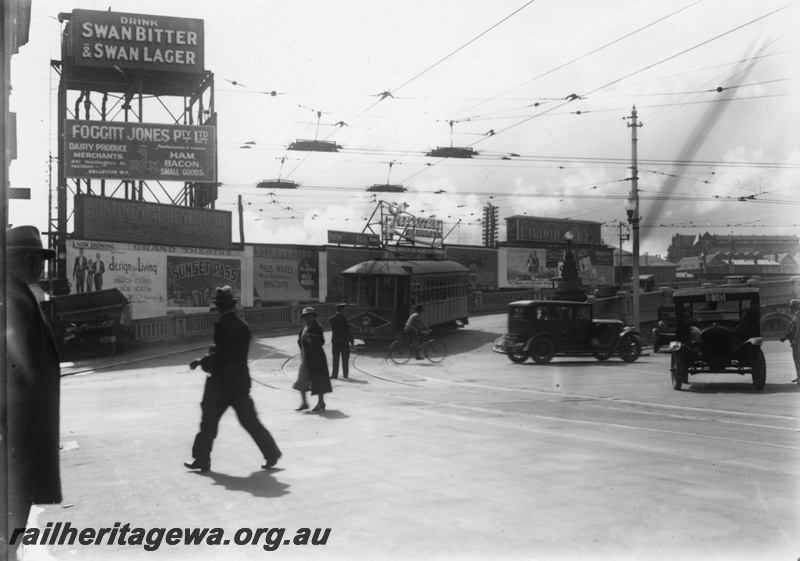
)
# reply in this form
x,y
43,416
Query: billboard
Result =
x,y
481,262
286,273
527,267
146,151
156,279
105,218
529,228
353,238
132,41
191,279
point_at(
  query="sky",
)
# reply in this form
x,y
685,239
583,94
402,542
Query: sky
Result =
x,y
542,90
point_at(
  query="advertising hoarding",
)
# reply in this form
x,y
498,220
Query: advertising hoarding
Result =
x,y
527,267
105,218
529,228
156,279
353,238
481,262
134,41
146,151
286,273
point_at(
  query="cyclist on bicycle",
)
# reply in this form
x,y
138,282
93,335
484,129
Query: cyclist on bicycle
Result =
x,y
415,329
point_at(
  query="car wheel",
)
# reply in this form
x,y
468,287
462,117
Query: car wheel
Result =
x,y
678,371
518,357
759,370
543,350
630,348
602,356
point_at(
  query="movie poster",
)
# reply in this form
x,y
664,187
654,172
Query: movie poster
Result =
x,y
156,279
191,280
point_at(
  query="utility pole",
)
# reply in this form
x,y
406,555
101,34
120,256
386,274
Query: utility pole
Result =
x,y
619,255
632,208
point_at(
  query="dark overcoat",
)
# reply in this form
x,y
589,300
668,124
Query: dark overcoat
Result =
x,y
316,361
33,383
340,330
227,359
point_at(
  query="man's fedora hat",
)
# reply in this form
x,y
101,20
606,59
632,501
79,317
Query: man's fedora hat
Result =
x,y
307,311
26,240
223,295
794,303
340,305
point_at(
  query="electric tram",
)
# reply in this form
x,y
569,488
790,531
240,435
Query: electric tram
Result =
x,y
381,294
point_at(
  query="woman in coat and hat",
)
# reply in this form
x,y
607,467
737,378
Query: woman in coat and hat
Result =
x,y
313,375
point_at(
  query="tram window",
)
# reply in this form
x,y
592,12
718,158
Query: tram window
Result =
x,y
351,287
386,292
366,293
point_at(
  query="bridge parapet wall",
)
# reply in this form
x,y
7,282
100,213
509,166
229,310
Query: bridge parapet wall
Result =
x,y
774,296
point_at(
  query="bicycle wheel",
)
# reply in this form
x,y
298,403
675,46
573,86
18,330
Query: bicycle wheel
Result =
x,y
399,352
435,351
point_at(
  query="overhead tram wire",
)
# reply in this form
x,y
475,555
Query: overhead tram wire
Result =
x,y
389,93
598,49
689,49
635,73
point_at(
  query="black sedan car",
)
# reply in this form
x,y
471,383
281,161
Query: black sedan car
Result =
x,y
542,329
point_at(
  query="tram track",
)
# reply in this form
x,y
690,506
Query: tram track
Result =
x,y
603,404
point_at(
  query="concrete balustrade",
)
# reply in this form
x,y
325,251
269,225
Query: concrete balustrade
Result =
x,y
178,325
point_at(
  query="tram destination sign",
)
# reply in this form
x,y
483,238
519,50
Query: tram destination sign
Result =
x,y
146,151
134,41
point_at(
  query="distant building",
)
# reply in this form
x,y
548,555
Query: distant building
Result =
x,y
717,266
747,246
663,272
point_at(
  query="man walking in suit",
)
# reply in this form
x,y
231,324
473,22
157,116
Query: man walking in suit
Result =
x,y
32,382
228,385
341,339
79,271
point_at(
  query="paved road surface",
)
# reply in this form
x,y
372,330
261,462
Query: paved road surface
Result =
x,y
475,458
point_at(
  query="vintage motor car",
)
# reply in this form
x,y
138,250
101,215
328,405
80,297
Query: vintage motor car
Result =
x,y
717,330
542,329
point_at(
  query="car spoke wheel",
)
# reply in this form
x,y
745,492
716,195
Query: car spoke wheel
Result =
x,y
759,369
518,357
435,351
630,348
602,356
678,371
399,352
543,350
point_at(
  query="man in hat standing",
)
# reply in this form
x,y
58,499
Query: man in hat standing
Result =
x,y
33,383
341,339
228,385
793,334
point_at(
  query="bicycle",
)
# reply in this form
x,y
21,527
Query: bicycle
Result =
x,y
400,350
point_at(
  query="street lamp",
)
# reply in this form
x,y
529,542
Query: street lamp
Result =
x,y
632,208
